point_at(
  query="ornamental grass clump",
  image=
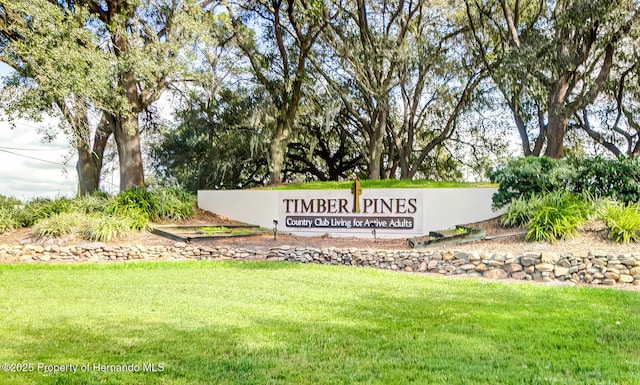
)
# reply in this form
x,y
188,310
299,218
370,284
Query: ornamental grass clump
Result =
x,y
43,208
9,219
623,221
174,203
520,211
137,205
59,225
89,204
104,228
558,216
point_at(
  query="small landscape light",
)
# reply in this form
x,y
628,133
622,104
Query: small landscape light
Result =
x,y
275,229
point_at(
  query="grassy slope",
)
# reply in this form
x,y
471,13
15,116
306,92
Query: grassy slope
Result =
x,y
274,323
387,183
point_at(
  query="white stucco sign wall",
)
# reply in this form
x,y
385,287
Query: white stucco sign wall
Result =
x,y
393,213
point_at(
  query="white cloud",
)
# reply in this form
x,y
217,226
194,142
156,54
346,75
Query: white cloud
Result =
x,y
31,169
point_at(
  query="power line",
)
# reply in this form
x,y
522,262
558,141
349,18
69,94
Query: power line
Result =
x,y
31,157
35,149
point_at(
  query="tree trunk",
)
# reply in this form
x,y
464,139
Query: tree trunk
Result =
x,y
127,137
88,171
89,165
557,122
278,151
376,141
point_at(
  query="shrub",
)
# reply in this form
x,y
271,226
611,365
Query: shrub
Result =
x,y
615,178
520,211
88,204
623,221
600,177
9,202
104,228
43,208
59,225
137,219
175,203
524,177
9,219
135,202
558,216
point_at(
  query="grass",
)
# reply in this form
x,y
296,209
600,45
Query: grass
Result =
x,y
385,183
277,323
218,230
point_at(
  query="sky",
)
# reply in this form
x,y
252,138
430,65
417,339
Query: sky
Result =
x,y
32,169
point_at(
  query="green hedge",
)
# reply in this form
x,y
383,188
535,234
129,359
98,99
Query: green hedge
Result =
x,y
599,177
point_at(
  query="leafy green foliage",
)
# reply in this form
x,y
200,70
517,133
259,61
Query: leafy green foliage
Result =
x,y
615,178
9,202
381,183
524,177
88,204
59,225
137,203
104,228
520,211
623,221
174,203
43,208
214,145
9,219
557,216
9,215
599,177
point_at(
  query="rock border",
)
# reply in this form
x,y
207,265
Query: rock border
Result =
x,y
593,268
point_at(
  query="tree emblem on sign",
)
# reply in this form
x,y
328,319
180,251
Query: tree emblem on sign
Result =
x,y
356,190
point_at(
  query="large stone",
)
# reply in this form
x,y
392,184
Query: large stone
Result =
x,y
473,256
509,258
544,267
519,275
625,278
550,258
498,257
512,268
528,261
495,274
423,266
560,271
481,267
608,282
611,275
468,266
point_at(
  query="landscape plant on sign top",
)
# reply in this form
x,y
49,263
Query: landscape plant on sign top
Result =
x,y
380,183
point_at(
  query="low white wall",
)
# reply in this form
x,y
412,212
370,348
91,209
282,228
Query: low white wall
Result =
x,y
331,211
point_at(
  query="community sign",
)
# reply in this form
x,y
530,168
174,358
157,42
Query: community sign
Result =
x,y
351,210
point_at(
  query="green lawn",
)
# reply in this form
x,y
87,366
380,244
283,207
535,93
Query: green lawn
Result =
x,y
385,183
278,323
